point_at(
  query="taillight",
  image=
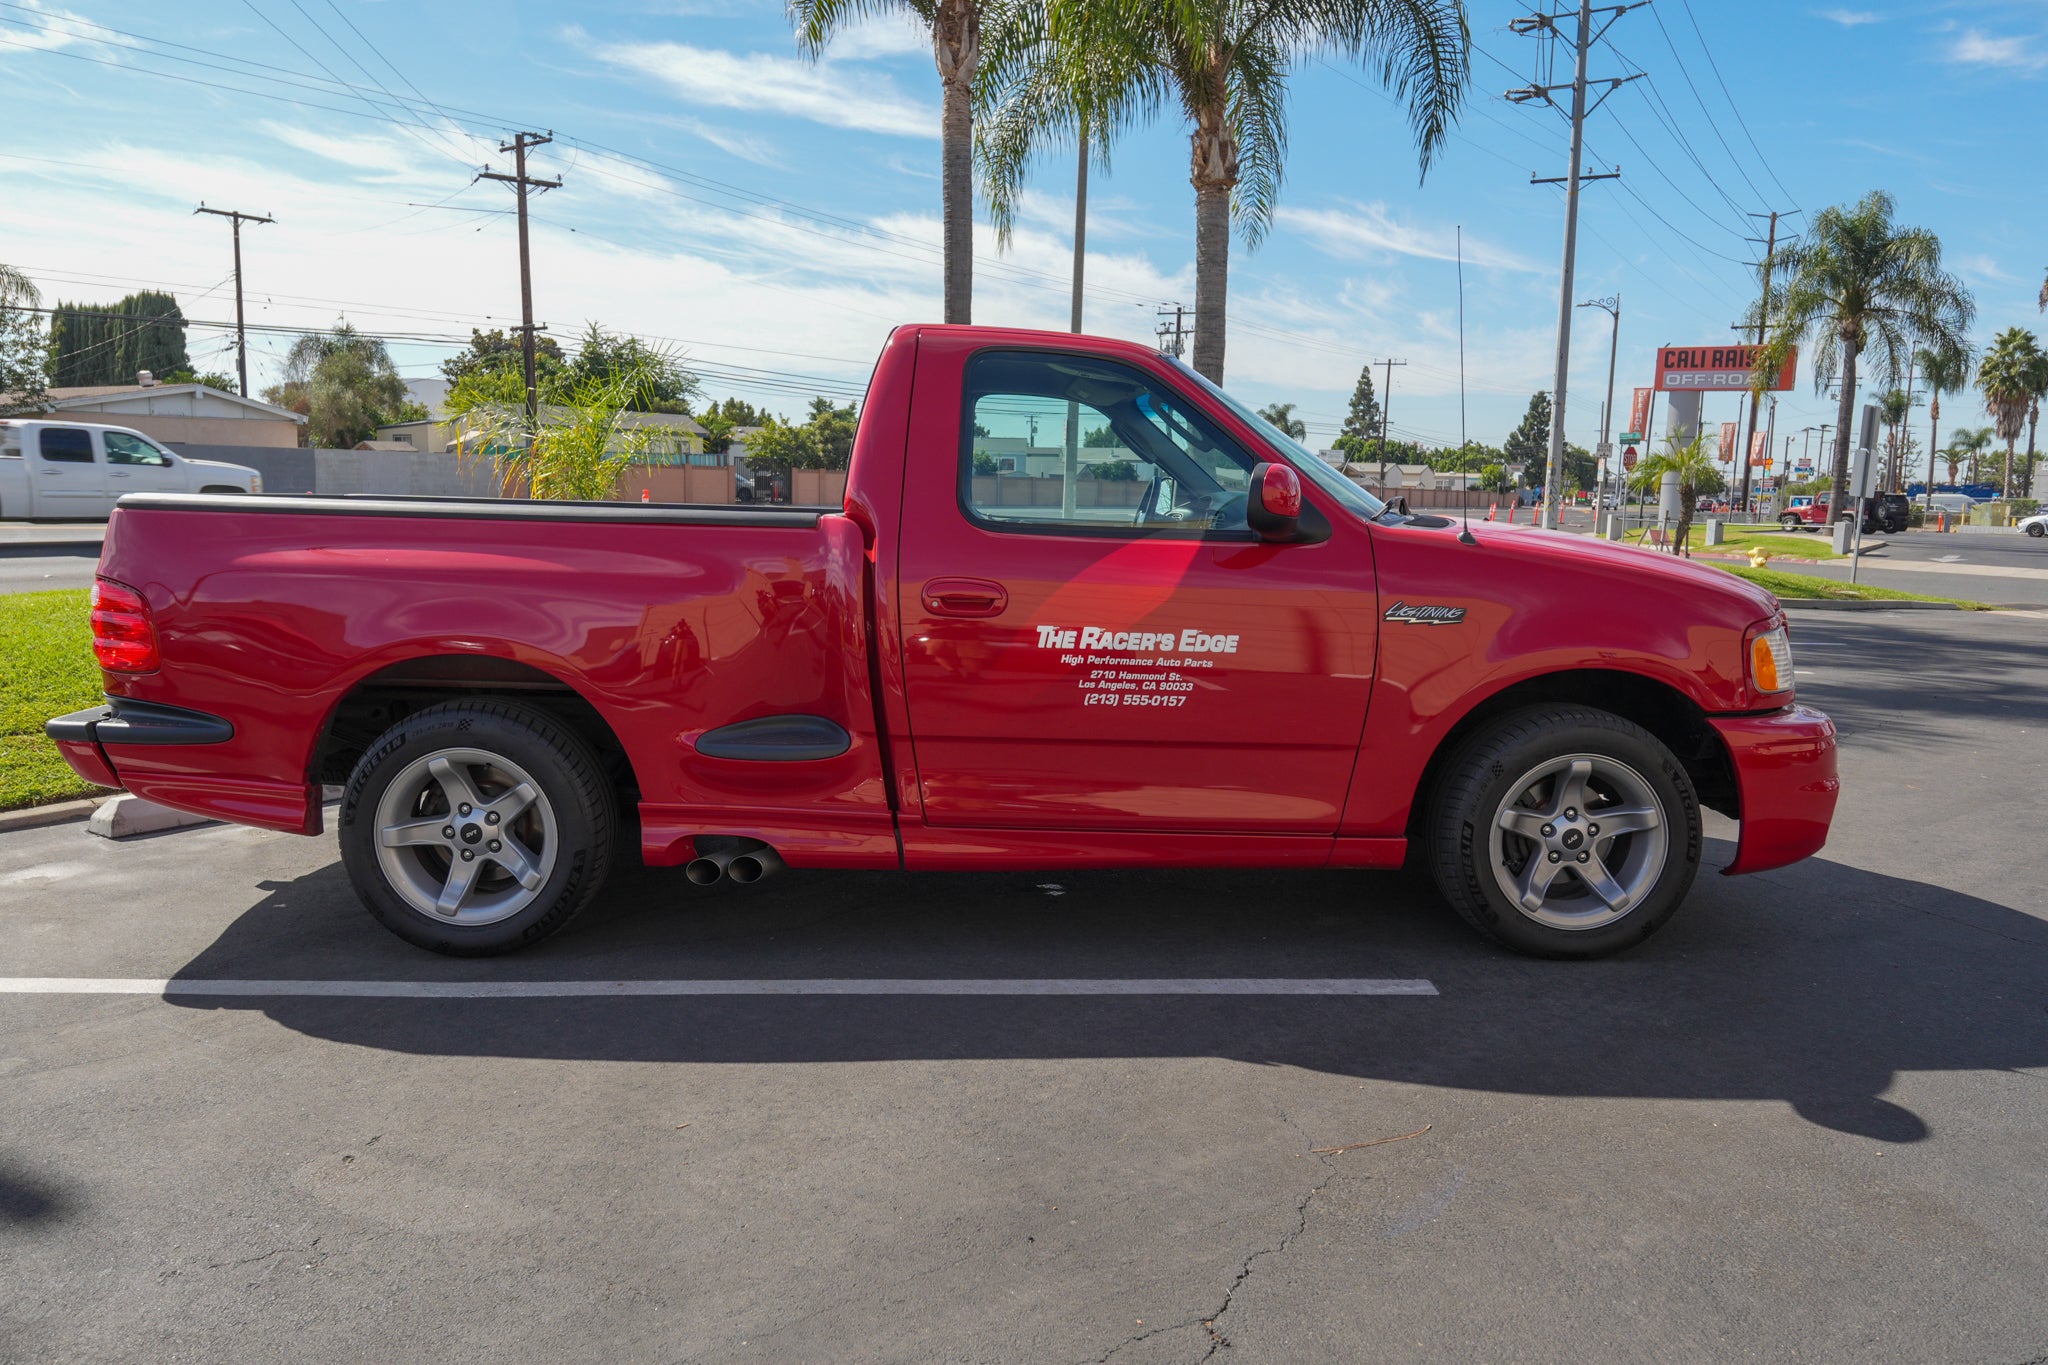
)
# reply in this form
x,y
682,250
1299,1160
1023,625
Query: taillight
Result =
x,y
123,637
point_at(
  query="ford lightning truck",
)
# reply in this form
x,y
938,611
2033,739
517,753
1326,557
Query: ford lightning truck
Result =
x,y
1080,608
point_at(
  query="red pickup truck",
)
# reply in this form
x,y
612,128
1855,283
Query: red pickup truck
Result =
x,y
1080,609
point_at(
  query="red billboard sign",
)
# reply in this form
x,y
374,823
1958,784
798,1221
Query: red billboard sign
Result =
x,y
1723,369
1639,411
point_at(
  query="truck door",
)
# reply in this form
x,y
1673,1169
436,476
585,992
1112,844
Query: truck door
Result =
x,y
137,465
1093,637
65,476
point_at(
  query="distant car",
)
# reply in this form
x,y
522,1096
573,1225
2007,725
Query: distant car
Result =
x,y
2035,526
61,471
1887,512
1955,504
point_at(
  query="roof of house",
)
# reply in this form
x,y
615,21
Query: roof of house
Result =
x,y
166,400
387,445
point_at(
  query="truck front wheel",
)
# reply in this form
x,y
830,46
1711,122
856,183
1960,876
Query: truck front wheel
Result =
x,y
477,827
1562,831
1789,522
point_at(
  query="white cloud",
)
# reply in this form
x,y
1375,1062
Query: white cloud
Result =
x,y
1976,48
44,29
1365,231
889,34
389,157
1848,18
822,92
1984,268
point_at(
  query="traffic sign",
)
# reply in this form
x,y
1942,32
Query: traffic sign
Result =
x,y
1628,458
1604,449
1630,437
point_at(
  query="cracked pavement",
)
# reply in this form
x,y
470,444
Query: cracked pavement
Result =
x,y
1805,1121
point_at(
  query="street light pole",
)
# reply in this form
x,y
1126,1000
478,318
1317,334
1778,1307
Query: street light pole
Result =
x,y
1613,307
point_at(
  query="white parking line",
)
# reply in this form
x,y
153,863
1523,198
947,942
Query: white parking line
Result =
x,y
525,990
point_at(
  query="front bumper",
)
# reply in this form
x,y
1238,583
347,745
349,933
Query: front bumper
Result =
x,y
1786,780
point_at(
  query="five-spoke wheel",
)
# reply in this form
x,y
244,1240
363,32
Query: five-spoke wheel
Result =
x,y
1564,831
477,827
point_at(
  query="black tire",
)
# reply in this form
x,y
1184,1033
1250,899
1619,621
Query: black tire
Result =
x,y
1789,522
575,799
1476,784
2037,530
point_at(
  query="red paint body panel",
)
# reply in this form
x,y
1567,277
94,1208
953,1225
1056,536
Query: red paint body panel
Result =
x,y
1302,743
1785,766
87,761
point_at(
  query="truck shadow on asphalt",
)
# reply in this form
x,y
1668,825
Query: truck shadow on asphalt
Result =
x,y
1815,985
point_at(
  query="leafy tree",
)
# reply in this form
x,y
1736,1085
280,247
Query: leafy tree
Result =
x,y
1946,370
2011,377
24,353
1282,416
1529,443
957,46
781,446
212,379
1893,408
579,453
1860,285
343,382
1467,459
1494,479
1225,66
109,343
494,350
1694,464
660,381
833,428
737,412
1581,470
985,463
718,430
1111,471
1100,438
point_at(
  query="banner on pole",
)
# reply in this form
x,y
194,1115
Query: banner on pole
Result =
x,y
1727,448
1638,416
1760,448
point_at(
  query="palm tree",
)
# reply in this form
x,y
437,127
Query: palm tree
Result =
x,y
1282,416
1893,409
2037,389
1693,462
1946,371
1967,446
1225,63
2008,377
1858,283
956,28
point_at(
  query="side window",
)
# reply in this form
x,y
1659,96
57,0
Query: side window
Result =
x,y
66,445
125,449
1074,443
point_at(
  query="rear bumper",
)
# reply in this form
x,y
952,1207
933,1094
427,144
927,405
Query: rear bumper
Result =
x,y
148,748
1786,777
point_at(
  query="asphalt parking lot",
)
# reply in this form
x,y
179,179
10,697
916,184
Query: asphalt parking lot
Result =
x,y
1809,1121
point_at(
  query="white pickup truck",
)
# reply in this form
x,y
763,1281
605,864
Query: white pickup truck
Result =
x,y
78,470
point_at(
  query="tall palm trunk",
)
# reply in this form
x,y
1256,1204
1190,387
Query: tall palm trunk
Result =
x,y
2027,470
1214,173
1838,496
1080,226
2005,485
956,47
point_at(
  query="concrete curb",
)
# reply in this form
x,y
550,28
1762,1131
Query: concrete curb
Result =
x,y
1875,604
127,815
56,813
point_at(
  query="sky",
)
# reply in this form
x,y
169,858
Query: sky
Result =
x,y
771,217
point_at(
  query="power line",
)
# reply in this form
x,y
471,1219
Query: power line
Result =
x,y
1741,122
1713,124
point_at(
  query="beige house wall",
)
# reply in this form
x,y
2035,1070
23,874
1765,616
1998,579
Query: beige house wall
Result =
x,y
280,433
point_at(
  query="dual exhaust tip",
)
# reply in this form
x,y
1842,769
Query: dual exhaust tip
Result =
x,y
744,868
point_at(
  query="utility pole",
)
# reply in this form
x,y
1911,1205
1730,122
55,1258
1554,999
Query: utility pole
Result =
x,y
241,336
1080,224
1606,451
1386,410
1763,316
1571,180
1177,328
521,182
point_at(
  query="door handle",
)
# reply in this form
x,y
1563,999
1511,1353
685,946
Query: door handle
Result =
x,y
965,597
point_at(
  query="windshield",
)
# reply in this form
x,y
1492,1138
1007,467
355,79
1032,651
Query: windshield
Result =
x,y
1306,461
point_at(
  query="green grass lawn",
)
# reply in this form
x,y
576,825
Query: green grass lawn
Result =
x,y
46,669
1735,540
1809,587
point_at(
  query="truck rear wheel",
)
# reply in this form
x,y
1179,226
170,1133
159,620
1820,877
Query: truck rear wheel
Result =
x,y
1789,522
477,827
1566,832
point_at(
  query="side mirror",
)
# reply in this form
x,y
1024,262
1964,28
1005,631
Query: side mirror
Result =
x,y
1274,507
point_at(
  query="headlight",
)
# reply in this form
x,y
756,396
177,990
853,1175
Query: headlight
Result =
x,y
1770,660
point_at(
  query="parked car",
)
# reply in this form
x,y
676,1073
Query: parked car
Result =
x,y
2035,526
1889,513
77,470
1955,504
1236,658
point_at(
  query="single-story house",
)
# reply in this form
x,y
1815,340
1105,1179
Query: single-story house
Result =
x,y
181,414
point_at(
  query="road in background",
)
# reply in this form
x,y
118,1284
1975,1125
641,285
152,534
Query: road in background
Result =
x,y
2004,568
37,556
1807,1120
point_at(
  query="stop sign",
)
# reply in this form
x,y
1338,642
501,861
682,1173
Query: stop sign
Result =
x,y
1628,458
